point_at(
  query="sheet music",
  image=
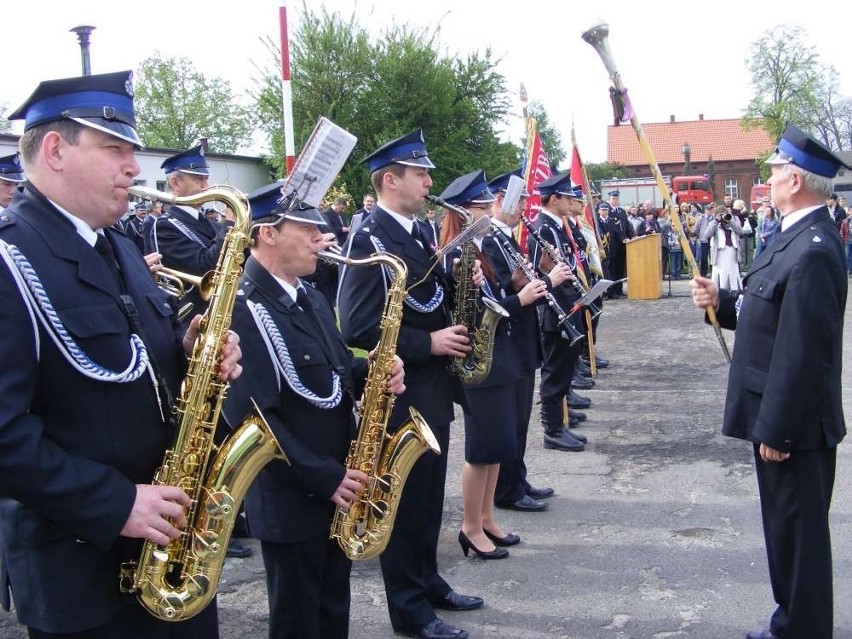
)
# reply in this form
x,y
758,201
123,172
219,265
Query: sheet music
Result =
x,y
513,194
319,163
596,291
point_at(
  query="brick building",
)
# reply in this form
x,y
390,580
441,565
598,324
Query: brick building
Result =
x,y
720,149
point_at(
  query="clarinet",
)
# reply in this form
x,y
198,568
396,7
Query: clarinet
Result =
x,y
554,256
562,318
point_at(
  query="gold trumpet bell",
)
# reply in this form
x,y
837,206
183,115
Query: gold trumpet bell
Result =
x,y
175,282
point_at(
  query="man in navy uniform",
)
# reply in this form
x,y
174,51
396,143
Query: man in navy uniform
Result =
x,y
784,392
134,227
559,357
618,259
11,177
400,176
186,239
309,408
83,425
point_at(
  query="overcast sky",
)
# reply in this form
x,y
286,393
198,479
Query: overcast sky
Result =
x,y
676,58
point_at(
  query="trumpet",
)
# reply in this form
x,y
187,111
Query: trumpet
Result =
x,y
175,282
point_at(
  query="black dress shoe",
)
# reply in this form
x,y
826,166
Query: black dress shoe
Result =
x,y
580,417
564,441
600,362
467,545
509,540
540,493
582,383
582,368
578,401
437,629
526,504
578,436
455,601
761,634
573,422
238,550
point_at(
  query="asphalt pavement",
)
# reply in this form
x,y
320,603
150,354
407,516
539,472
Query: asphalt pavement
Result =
x,y
654,531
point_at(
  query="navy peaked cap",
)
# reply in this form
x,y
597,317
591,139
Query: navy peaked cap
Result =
x,y
470,188
11,169
409,150
189,161
798,148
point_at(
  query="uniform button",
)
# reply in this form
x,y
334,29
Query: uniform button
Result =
x,y
307,357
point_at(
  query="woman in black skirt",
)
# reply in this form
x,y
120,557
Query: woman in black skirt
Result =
x,y
490,421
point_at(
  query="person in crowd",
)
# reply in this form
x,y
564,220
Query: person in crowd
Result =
x,y
489,420
333,217
767,230
722,234
748,223
618,259
513,490
305,389
836,212
399,173
84,422
11,178
360,216
784,386
154,212
133,228
846,237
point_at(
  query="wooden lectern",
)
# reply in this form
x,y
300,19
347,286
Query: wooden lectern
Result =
x,y
644,268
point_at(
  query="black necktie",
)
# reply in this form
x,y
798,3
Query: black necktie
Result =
x,y
305,304
417,235
103,247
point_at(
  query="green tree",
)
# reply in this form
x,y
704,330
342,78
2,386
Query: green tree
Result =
x,y
176,105
380,86
785,77
551,139
606,171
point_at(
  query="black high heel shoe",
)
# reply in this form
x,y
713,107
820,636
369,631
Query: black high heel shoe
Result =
x,y
509,540
467,545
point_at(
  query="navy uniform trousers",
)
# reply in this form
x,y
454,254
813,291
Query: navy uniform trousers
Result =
x,y
409,564
784,390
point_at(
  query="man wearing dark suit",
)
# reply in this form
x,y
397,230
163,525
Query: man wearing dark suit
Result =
x,y
360,216
432,227
400,176
784,392
619,251
134,226
186,239
333,217
559,356
82,425
309,408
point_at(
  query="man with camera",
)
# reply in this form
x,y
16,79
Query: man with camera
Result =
x,y
723,233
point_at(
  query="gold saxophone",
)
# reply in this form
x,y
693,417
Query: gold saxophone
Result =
x,y
364,530
176,581
481,327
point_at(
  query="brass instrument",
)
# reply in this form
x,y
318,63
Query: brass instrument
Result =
x,y
556,258
475,366
363,531
176,581
175,282
597,37
562,318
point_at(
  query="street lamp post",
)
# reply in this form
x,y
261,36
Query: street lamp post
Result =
x,y
83,32
687,164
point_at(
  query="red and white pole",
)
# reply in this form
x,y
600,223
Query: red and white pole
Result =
x,y
286,91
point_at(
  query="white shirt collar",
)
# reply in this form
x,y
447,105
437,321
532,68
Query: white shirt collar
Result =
x,y
84,230
405,222
791,218
288,288
191,211
503,227
553,217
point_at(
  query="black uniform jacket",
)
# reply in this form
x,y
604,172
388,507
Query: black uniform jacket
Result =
x,y
290,503
185,254
566,295
134,230
523,321
71,448
361,301
784,385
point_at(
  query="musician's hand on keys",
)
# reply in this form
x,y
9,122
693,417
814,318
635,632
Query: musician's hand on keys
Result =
x,y
452,341
329,240
396,382
153,262
560,273
519,280
704,292
350,489
478,278
157,514
531,292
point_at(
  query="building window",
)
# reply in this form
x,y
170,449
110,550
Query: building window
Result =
x,y
140,182
731,188
161,185
757,180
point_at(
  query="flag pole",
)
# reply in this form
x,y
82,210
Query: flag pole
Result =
x,y
286,91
